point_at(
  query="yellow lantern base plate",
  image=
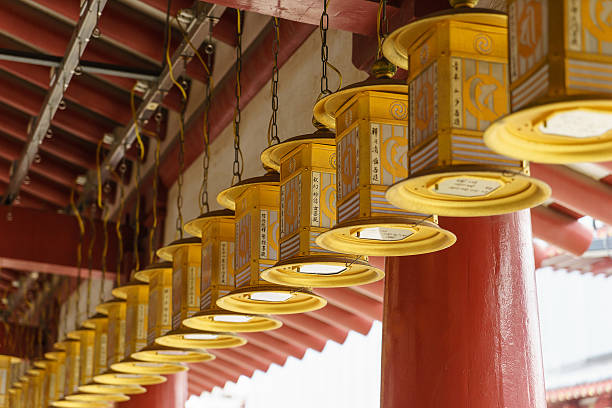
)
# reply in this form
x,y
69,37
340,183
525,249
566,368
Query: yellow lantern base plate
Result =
x,y
396,45
519,134
271,157
144,275
325,109
206,320
142,367
423,237
194,227
192,339
167,253
129,379
55,355
428,192
112,389
80,404
103,308
300,300
227,198
160,354
86,397
356,272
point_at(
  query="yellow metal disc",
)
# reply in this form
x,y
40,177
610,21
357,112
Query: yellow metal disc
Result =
x,y
352,271
144,367
129,379
87,397
167,253
121,292
421,237
144,275
396,45
55,355
161,354
63,345
442,192
14,360
227,198
112,389
271,157
80,404
103,308
326,108
290,300
520,134
93,321
76,334
219,320
194,227
193,339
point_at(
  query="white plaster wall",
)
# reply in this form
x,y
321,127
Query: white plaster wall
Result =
x,y
299,87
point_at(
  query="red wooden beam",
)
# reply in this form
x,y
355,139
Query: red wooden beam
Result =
x,y
264,355
34,243
315,327
265,340
208,374
38,187
335,315
228,371
375,290
27,200
244,361
353,302
560,230
175,5
299,337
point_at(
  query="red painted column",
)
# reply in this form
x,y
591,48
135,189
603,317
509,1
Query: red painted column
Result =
x,y
461,326
171,394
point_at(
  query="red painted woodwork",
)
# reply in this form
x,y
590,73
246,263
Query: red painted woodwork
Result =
x,y
317,328
256,72
265,340
353,302
33,243
560,230
244,361
38,187
229,371
175,5
291,335
340,317
461,325
375,290
539,253
576,191
264,355
171,394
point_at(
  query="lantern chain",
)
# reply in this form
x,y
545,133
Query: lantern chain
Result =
x,y
120,179
237,168
324,26
136,253
382,25
81,226
158,120
90,247
104,251
204,207
181,160
273,132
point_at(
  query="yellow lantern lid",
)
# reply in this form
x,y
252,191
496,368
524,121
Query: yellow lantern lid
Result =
x,y
114,378
227,198
167,252
399,41
219,320
104,308
162,354
112,389
103,398
55,355
271,299
77,334
195,339
326,108
94,320
63,345
194,227
14,360
122,291
271,157
145,274
133,366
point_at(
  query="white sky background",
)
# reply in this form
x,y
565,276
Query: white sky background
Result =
x,y
573,309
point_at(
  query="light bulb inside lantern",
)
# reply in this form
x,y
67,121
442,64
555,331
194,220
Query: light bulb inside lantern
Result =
x,y
200,336
321,269
232,318
579,123
270,296
383,234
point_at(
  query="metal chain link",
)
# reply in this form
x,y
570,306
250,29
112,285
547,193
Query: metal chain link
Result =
x,y
382,26
237,168
274,139
158,120
324,26
204,207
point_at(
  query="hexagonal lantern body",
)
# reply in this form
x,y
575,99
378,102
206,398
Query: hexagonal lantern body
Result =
x,y
217,232
72,363
99,324
458,78
136,296
256,203
371,122
57,374
6,364
87,339
560,72
115,310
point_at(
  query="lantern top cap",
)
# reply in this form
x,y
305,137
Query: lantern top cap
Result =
x,y
104,308
167,253
195,226
145,275
76,334
42,363
94,320
122,291
35,372
383,68
463,3
227,198
272,156
63,345
55,355
14,360
396,45
326,109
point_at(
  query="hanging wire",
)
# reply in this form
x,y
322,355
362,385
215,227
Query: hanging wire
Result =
x,y
158,119
204,207
273,127
136,253
382,26
136,124
99,172
79,255
120,179
104,251
238,161
92,241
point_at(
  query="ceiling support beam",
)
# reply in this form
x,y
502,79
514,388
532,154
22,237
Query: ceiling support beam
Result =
x,y
560,230
90,12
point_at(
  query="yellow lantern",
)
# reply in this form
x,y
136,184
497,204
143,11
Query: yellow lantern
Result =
x,y
256,203
99,324
116,312
560,73
458,86
57,374
216,230
14,395
307,166
6,365
37,387
136,295
26,389
159,278
72,349
370,119
185,255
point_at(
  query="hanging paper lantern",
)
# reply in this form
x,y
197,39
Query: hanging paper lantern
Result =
x,y
217,232
72,348
560,72
458,86
256,203
6,364
57,374
307,166
136,295
99,324
185,255
37,383
159,278
370,119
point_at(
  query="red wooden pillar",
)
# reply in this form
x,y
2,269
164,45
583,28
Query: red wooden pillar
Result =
x,y
171,394
461,326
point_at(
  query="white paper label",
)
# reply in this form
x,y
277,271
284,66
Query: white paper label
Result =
x,y
263,234
466,187
456,107
192,299
103,352
140,322
166,305
3,375
375,153
315,208
223,258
